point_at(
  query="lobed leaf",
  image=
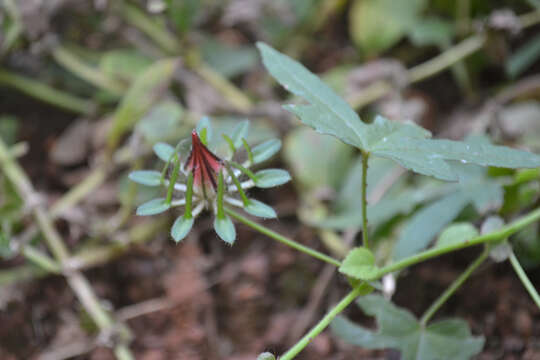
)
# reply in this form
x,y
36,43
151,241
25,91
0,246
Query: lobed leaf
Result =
x,y
399,329
328,113
407,144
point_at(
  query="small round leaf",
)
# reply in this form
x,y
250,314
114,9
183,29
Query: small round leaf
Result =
x,y
153,207
163,151
359,264
260,209
266,356
271,177
181,227
146,177
225,229
457,233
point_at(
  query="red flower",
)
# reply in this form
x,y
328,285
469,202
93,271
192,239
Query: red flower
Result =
x,y
204,165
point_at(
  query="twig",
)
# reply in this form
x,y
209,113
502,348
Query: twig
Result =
x,y
75,279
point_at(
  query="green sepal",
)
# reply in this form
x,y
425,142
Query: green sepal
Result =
x,y
146,177
260,209
181,227
153,207
225,229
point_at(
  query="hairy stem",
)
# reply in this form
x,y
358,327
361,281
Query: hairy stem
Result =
x,y
524,279
453,287
365,236
321,325
282,239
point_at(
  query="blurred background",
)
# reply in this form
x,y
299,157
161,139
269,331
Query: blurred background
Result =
x,y
86,89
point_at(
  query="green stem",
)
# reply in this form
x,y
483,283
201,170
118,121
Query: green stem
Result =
x,y
243,195
220,212
524,279
189,197
40,259
453,287
272,234
365,236
447,58
45,93
245,170
321,325
172,180
495,236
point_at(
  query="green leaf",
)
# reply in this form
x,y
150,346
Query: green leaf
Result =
x,y
164,151
124,64
328,112
427,223
407,144
139,97
524,57
204,129
457,233
183,13
146,177
432,31
181,227
359,264
260,209
398,329
162,120
225,229
266,356
228,60
499,251
308,153
268,178
240,132
265,150
153,207
8,129
376,25
384,210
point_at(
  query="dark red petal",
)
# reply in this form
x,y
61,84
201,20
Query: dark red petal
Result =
x,y
203,163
